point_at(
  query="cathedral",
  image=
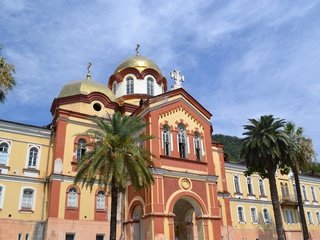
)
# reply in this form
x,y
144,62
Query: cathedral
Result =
x,y
195,195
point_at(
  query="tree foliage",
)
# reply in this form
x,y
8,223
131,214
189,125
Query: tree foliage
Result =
x,y
7,81
116,157
231,146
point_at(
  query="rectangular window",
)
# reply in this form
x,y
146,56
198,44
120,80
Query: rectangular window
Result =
x,y
27,236
20,236
313,194
241,214
100,237
70,236
254,215
318,217
289,216
27,199
309,217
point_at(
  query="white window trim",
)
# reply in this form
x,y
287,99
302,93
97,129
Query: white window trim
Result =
x,y
38,157
264,219
290,216
3,192
257,215
153,84
234,186
318,217
251,183
264,189
9,149
33,197
134,83
310,220
244,214
313,193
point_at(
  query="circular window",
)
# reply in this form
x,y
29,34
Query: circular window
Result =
x,y
97,107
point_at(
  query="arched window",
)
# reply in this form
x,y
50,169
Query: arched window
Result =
x,y
165,140
241,216
101,200
182,141
4,153
249,185
254,215
130,85
81,148
114,88
72,198
304,193
150,86
266,216
33,157
261,187
27,199
197,146
236,182
310,220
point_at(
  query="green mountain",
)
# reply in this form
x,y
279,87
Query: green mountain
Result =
x,y
231,146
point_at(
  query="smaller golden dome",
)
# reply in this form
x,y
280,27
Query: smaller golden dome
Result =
x,y
86,87
138,62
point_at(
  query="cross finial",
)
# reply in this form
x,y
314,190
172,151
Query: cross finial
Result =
x,y
137,49
89,73
178,78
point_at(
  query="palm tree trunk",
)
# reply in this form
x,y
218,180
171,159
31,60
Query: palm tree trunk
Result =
x,y
300,203
113,217
276,204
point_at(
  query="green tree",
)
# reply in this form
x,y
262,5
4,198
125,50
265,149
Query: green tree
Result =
x,y
116,158
263,148
7,81
299,158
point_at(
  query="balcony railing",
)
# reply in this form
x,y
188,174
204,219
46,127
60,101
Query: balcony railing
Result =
x,y
289,199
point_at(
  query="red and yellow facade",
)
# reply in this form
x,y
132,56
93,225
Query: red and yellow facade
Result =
x,y
190,198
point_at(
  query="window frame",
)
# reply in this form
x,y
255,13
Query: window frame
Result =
x,y
2,194
150,85
237,185
9,143
81,148
68,202
197,146
243,218
318,217
21,202
182,141
249,186
166,144
38,157
268,219
310,218
304,192
129,84
313,194
98,203
256,220
261,187
114,87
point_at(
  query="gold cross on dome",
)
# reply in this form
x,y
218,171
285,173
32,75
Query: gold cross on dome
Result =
x,y
89,73
137,49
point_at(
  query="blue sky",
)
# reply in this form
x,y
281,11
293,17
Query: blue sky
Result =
x,y
241,59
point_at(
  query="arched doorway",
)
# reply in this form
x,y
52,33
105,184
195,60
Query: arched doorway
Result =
x,y
186,226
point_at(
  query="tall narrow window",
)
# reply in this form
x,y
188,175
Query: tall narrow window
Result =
x,y
72,199
33,157
241,214
101,200
150,86
130,85
81,148
197,146
261,187
114,88
313,194
266,216
27,199
289,216
182,141
295,191
304,193
309,217
318,217
1,194
254,215
166,141
4,152
249,184
236,184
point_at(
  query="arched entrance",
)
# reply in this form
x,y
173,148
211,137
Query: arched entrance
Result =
x,y
186,226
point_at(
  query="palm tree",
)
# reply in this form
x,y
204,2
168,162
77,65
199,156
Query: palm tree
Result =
x,y
301,154
263,149
116,158
7,81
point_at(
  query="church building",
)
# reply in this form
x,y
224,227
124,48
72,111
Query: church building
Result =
x,y
193,195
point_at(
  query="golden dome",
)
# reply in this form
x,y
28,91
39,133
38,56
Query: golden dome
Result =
x,y
86,87
138,62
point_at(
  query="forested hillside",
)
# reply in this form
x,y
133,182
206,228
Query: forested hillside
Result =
x,y
231,146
